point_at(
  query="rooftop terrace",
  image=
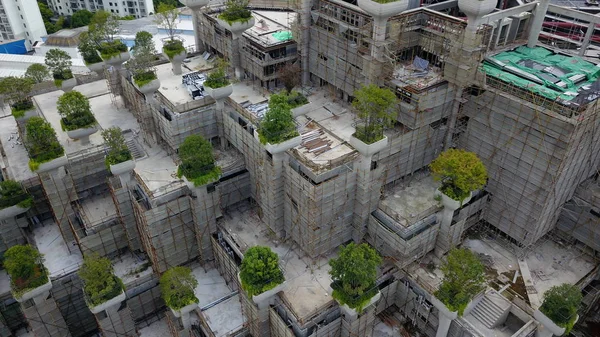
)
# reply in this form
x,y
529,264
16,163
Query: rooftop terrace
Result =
x,y
410,201
172,88
271,27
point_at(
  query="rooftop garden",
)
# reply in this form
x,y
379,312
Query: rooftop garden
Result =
x,y
278,124
111,49
13,194
354,273
88,48
464,277
260,270
59,63
197,161
561,304
375,107
118,152
144,53
37,72
217,78
99,282
177,287
461,172
166,17
41,142
24,265
16,91
236,11
74,108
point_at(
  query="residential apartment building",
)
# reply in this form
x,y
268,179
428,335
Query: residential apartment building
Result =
x,y
21,25
137,8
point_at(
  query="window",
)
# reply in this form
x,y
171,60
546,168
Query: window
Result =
x,y
24,25
110,3
112,11
27,33
19,8
21,17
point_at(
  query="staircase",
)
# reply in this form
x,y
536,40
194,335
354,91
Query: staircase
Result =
x,y
134,148
487,312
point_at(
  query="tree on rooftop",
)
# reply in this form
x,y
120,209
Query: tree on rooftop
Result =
x,y
260,270
236,10
354,273
289,74
144,53
17,91
13,194
177,287
375,107
104,26
166,17
118,152
278,123
88,46
23,263
560,305
197,161
217,78
42,143
99,282
37,72
59,63
461,172
74,108
464,277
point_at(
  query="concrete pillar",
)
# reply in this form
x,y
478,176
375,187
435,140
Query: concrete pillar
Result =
x,y
359,324
444,240
206,208
381,13
236,29
149,89
195,6
219,95
453,116
42,313
305,21
10,226
546,327
538,21
445,317
185,318
117,321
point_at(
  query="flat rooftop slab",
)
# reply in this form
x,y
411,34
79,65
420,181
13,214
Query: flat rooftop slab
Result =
x,y
157,172
98,208
17,158
57,257
4,283
159,328
307,289
336,118
269,27
225,317
411,200
408,74
172,87
129,267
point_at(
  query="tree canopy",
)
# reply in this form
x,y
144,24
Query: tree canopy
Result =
x,y
42,143
37,72
375,107
236,10
118,151
289,74
197,161
104,26
88,47
278,123
460,172
560,305
24,265
354,273
12,193
75,110
260,270
166,17
99,282
59,62
464,277
16,89
177,287
81,18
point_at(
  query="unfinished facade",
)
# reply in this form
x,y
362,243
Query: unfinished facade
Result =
x,y
518,92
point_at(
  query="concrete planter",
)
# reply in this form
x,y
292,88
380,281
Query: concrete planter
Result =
x,y
195,4
108,304
368,150
118,60
83,134
12,211
176,61
38,294
301,110
219,93
548,327
185,310
443,309
238,27
352,313
28,114
475,9
96,67
68,85
53,164
149,88
281,147
378,10
451,203
121,168
265,296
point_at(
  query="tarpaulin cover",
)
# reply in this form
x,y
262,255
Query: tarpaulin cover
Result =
x,y
282,36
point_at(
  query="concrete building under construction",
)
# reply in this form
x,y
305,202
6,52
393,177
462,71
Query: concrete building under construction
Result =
x,y
516,83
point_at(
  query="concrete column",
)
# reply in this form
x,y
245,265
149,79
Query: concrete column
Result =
x,y
185,317
219,95
195,6
116,322
538,21
206,208
236,29
445,317
444,240
305,20
149,89
453,116
10,226
586,40
43,315
381,13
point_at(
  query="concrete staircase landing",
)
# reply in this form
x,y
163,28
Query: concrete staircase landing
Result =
x,y
491,311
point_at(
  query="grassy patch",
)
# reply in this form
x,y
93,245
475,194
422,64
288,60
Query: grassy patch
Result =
x,y
208,177
141,79
109,50
172,48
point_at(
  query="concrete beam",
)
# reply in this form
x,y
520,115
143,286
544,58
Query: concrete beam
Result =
x,y
499,15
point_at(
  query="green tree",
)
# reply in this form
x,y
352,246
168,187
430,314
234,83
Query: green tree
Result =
x,y
88,47
217,78
99,282
464,277
42,143
16,89
144,53
197,160
45,11
278,123
173,3
12,193
166,17
460,172
177,287
23,263
289,74
74,108
236,10
375,107
118,151
59,62
104,26
37,72
81,18
260,270
354,273
560,305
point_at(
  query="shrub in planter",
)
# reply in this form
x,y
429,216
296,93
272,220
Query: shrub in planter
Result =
x,y
88,48
118,152
375,107
354,273
560,305
143,78
173,48
37,72
217,79
236,11
99,282
13,194
197,161
41,142
177,287
16,91
111,49
74,108
293,99
461,172
464,277
260,270
59,63
278,124
23,263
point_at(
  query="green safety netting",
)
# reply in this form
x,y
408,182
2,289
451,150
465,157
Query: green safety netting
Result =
x,y
548,67
282,36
